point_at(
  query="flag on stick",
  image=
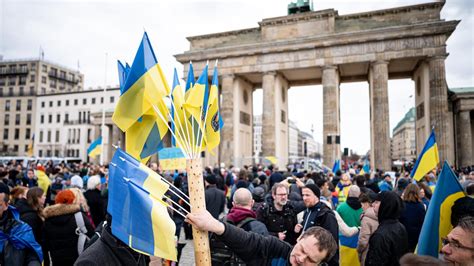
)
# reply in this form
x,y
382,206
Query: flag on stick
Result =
x,y
95,148
214,121
427,160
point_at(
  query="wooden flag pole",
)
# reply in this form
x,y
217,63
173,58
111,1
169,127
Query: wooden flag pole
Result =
x,y
202,252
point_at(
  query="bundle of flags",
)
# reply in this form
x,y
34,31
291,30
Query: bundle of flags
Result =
x,y
95,148
427,160
437,222
143,114
139,215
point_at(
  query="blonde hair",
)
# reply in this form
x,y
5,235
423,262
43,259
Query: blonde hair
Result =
x,y
80,199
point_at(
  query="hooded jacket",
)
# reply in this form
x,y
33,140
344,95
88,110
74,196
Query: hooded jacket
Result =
x,y
368,225
60,232
350,211
239,214
390,241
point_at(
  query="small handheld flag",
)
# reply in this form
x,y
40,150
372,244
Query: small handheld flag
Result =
x,y
95,148
427,160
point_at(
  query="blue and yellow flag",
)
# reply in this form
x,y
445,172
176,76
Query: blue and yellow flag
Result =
x,y
139,216
437,222
123,74
366,168
214,121
336,166
143,90
95,148
180,129
190,80
348,250
427,160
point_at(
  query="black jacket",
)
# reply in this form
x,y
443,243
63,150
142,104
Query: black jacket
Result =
x,y
279,221
31,217
108,250
215,200
390,241
96,205
321,215
256,249
60,232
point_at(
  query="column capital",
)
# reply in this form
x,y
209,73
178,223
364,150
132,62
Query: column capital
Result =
x,y
437,57
270,73
379,62
330,66
228,76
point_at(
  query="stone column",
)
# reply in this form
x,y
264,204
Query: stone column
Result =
x,y
380,124
226,148
464,138
331,119
268,114
439,107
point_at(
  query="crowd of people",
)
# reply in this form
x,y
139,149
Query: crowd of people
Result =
x,y
256,215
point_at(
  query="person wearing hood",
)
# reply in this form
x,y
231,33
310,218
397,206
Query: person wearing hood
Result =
x,y
242,214
390,241
351,209
368,225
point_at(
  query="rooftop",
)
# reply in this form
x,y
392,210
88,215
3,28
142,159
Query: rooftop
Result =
x,y
409,117
462,90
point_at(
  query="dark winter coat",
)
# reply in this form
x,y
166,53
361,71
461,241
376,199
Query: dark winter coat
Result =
x,y
238,214
412,218
256,249
96,205
215,200
31,217
60,232
108,250
390,241
321,215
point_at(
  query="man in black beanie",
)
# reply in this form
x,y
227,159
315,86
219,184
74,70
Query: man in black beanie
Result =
x,y
318,214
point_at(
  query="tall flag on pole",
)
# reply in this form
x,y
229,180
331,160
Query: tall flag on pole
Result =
x,y
143,91
139,215
336,166
30,151
95,148
214,121
437,222
427,160
366,168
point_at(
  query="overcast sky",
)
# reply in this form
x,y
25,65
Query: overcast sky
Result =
x,y
80,33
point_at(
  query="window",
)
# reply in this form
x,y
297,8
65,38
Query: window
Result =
x,y
32,78
28,119
50,103
5,133
89,133
57,136
15,148
112,99
7,119
10,91
84,101
22,91
32,90
1,92
93,100
54,71
26,148
56,153
48,153
66,118
29,105
67,102
5,147
27,134
88,117
40,153
48,139
43,90
17,133
2,81
43,80
50,119
101,99
58,118
78,135
22,80
44,68
18,105
7,105
59,103
62,74
52,83
75,101
12,81
41,136
17,119
42,104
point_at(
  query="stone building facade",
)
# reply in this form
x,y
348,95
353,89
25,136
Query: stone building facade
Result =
x,y
323,47
404,138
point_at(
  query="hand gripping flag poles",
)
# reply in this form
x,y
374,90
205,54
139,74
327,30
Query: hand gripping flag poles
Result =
x,y
195,125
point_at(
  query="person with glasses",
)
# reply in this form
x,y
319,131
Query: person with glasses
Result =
x,y
458,246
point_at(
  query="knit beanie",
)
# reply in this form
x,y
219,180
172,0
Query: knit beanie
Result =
x,y
314,188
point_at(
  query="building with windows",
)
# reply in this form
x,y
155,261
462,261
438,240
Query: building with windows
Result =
x,y
64,121
403,138
21,82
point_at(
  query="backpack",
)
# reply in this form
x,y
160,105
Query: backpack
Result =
x,y
222,254
81,231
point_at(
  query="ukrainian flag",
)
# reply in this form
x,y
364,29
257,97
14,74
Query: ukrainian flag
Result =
x,y
179,127
123,74
365,169
139,216
95,148
214,121
336,166
348,250
437,222
427,160
190,80
144,87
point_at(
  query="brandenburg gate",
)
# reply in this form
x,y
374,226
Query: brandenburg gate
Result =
x,y
323,47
